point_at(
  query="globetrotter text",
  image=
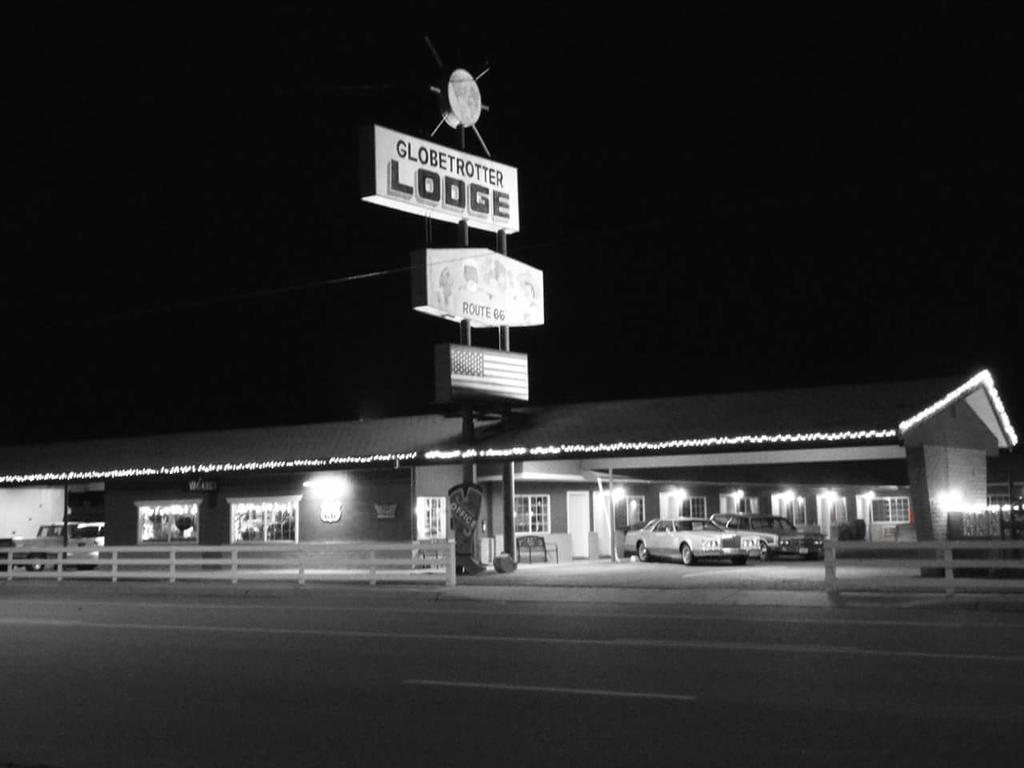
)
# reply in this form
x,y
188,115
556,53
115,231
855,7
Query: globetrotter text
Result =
x,y
444,161
478,192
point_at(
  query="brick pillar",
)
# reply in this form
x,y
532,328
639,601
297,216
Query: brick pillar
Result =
x,y
933,469
947,451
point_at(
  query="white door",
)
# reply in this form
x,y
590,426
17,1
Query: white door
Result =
x,y
602,524
668,505
831,512
578,505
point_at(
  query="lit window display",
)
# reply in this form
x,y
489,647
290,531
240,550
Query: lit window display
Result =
x,y
168,522
431,517
265,519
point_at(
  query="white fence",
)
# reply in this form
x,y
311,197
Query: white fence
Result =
x,y
413,561
928,566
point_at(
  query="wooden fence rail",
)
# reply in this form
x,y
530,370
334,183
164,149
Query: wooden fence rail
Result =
x,y
929,566
415,561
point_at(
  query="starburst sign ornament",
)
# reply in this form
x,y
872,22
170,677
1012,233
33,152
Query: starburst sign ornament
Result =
x,y
458,98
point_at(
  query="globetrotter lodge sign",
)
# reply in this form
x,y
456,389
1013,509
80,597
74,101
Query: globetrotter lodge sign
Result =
x,y
479,285
435,181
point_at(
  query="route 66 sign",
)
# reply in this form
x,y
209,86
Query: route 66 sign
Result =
x,y
330,511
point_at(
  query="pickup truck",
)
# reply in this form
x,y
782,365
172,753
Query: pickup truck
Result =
x,y
34,553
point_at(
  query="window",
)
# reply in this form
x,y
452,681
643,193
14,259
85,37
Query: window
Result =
x,y
729,503
1001,502
630,509
265,519
793,508
168,522
893,509
533,514
693,506
431,518
673,505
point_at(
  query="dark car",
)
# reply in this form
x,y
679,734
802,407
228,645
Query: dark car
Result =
x,y
772,535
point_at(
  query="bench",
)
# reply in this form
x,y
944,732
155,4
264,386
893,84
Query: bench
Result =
x,y
531,544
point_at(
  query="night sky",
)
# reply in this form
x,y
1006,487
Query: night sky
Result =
x,y
719,201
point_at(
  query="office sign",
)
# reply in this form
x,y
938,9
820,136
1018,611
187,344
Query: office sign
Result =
x,y
464,502
477,284
437,182
467,374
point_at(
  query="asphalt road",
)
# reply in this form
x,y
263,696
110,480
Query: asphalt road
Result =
x,y
187,675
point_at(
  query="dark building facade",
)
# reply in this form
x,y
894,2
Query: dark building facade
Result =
x,y
901,458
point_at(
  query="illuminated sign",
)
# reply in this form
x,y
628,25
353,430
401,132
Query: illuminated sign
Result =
x,y
464,503
478,285
435,181
330,511
479,373
385,511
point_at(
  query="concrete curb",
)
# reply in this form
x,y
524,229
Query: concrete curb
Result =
x,y
636,596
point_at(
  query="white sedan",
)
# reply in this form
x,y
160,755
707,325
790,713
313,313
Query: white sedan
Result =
x,y
687,538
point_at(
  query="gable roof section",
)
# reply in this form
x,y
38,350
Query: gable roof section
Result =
x,y
835,415
980,393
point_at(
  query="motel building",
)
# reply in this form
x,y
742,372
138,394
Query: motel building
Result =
x,y
910,460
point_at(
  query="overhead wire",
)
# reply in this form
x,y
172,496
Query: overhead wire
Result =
x,y
268,292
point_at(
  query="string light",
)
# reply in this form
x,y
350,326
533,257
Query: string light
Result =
x,y
193,469
982,378
667,445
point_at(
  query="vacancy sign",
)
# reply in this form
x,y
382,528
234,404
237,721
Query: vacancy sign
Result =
x,y
477,284
466,374
437,182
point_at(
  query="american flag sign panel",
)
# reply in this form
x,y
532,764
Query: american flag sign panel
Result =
x,y
475,373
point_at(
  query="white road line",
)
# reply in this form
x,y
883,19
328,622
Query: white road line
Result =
x,y
34,622
701,645
847,650
551,689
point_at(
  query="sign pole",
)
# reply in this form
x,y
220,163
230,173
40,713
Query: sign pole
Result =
x,y
508,473
611,512
65,515
469,560
466,337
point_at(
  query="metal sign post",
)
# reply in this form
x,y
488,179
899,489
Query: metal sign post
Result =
x,y
473,287
508,472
